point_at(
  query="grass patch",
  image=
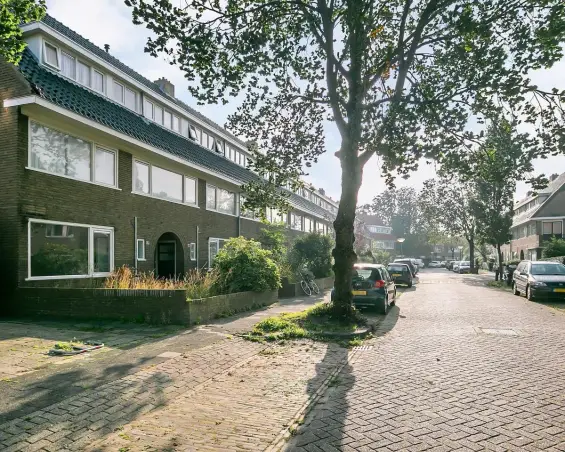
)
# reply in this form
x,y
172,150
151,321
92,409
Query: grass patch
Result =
x,y
317,322
499,285
67,346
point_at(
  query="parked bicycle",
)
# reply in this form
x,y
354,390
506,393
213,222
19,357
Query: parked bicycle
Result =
x,y
308,284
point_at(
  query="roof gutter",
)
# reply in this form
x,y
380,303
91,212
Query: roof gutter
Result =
x,y
37,100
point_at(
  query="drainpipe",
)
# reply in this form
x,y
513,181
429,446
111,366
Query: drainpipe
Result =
x,y
197,247
135,242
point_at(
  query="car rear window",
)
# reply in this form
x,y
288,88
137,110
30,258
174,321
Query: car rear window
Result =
x,y
397,268
367,273
548,269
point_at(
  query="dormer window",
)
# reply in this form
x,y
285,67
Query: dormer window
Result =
x,y
168,117
219,149
68,67
192,133
98,82
51,55
118,92
83,74
130,99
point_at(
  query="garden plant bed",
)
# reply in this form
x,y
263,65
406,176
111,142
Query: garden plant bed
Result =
x,y
315,323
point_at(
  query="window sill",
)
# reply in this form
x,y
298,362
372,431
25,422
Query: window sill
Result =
x,y
141,260
221,213
72,178
194,206
46,278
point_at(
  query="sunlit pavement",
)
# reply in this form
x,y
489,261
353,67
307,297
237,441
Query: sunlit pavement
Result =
x,y
456,366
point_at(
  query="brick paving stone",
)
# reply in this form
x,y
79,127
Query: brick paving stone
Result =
x,y
440,383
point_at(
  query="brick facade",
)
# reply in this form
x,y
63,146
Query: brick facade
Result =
x,y
26,193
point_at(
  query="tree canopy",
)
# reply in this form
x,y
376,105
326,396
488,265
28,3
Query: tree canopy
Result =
x,y
402,79
13,13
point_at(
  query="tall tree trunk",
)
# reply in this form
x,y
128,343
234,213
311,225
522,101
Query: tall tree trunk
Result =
x,y
471,241
343,253
499,256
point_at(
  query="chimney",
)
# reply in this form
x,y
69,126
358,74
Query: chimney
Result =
x,y
166,86
107,48
553,177
322,191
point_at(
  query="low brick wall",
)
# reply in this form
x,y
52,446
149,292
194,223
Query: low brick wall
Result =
x,y
206,309
149,306
291,289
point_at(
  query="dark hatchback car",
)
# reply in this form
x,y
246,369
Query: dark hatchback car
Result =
x,y
410,264
400,274
372,287
538,279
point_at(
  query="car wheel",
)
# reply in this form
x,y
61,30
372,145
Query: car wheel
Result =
x,y
409,284
383,307
515,289
394,299
529,295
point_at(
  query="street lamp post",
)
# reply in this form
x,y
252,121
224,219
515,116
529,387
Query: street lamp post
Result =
x,y
401,241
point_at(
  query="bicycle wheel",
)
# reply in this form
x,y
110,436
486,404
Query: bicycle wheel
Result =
x,y
314,287
305,287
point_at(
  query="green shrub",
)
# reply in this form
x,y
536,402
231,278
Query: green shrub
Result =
x,y
554,248
242,265
59,259
313,251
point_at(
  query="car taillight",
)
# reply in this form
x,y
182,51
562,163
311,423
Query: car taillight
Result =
x,y
379,284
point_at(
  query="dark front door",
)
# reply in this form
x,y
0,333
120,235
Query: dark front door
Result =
x,y
166,258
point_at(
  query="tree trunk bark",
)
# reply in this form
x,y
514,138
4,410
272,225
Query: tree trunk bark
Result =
x,y
344,225
499,255
472,253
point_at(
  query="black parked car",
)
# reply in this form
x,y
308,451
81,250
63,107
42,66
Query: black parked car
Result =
x,y
400,273
537,279
410,264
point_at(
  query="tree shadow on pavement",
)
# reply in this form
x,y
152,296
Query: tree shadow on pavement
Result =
x,y
327,426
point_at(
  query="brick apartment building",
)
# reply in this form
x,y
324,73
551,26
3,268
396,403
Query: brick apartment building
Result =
x,y
537,218
101,167
374,234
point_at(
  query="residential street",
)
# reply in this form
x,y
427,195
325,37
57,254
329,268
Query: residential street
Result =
x,y
455,366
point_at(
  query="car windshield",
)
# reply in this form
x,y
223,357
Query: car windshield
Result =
x,y
366,273
548,269
397,268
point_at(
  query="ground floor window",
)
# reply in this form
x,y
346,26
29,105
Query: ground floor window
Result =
x,y
192,248
140,249
68,250
214,247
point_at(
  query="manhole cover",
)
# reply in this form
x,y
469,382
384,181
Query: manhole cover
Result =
x,y
499,331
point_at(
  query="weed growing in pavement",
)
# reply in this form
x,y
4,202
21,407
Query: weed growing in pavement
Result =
x,y
499,285
316,323
356,342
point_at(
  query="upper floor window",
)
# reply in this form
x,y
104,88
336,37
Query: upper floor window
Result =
x,y
83,74
308,224
51,55
98,81
65,155
158,116
220,200
167,119
161,183
68,67
131,99
118,92
148,109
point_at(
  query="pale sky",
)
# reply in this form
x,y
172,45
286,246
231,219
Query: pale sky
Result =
x,y
109,22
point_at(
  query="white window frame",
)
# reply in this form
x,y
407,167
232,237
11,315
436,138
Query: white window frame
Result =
x,y
103,81
192,251
93,146
91,230
126,89
122,102
150,194
152,116
57,51
192,133
210,240
90,73
235,200
551,223
195,203
74,77
137,256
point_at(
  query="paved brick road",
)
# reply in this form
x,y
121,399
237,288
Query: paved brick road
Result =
x,y
437,381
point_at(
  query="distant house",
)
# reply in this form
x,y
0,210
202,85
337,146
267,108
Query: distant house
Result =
x,y
537,218
376,234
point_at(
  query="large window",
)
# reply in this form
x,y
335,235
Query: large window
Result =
x,y
296,222
219,199
158,118
67,250
553,228
214,247
118,92
275,216
164,184
168,118
130,99
62,154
